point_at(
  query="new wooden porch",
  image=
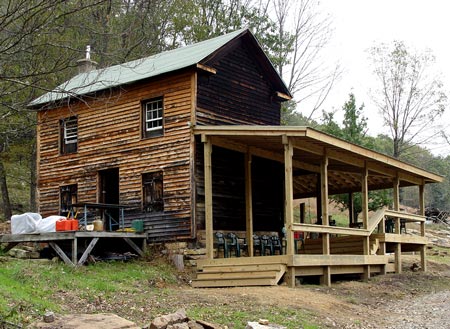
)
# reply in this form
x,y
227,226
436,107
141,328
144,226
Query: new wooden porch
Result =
x,y
315,165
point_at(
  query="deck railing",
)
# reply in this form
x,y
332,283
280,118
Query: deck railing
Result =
x,y
377,223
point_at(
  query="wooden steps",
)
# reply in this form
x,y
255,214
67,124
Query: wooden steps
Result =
x,y
239,275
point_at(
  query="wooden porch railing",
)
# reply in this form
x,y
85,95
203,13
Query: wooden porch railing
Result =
x,y
377,220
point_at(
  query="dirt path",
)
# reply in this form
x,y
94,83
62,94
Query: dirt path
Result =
x,y
409,301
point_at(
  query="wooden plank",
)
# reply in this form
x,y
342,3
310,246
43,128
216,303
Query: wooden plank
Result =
x,y
288,195
398,258
298,227
248,202
365,197
88,250
208,197
55,236
61,253
403,215
334,260
134,246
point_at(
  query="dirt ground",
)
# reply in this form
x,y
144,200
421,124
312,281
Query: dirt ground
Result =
x,y
409,300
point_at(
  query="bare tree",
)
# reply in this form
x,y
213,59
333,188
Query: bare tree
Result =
x,y
300,63
411,96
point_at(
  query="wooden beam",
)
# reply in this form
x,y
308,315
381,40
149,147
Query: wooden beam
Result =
x,y
396,201
329,229
244,148
61,253
207,150
283,96
310,148
88,251
398,258
206,68
365,197
289,195
326,277
134,246
346,158
350,208
249,203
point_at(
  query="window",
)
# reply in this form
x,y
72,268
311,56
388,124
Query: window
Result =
x,y
153,117
153,192
68,197
69,135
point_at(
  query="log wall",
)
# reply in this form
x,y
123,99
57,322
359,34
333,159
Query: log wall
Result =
x,y
110,136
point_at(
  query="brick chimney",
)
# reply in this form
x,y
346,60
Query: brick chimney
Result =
x,y
86,65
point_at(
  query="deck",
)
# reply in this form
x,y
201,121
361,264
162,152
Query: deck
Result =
x,y
363,252
69,245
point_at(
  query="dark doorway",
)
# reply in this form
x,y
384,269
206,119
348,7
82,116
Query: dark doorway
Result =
x,y
109,194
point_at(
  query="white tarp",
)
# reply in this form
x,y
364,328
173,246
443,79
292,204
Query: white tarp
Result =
x,y
33,223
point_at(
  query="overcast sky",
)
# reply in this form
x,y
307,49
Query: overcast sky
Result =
x,y
361,24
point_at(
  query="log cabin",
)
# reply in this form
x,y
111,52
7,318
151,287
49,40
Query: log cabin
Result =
x,y
189,142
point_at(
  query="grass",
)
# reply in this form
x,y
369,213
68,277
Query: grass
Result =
x,y
30,288
138,291
439,255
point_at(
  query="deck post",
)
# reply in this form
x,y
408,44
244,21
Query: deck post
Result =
x,y
396,199
289,195
398,258
423,249
365,217
398,246
350,209
207,151
248,203
326,278
288,205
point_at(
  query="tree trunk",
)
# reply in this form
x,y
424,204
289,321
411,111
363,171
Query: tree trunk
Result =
x,y
7,212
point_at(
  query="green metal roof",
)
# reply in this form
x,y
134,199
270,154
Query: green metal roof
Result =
x,y
144,68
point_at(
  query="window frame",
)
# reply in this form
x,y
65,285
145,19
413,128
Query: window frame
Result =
x,y
149,118
153,192
68,195
69,135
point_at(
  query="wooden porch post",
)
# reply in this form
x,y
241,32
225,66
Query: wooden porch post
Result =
x,y
207,151
249,203
350,209
288,209
326,277
365,217
398,246
423,249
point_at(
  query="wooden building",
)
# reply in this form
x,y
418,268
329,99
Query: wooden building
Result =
x,y
190,142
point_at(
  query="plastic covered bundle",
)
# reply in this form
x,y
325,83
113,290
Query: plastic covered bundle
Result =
x,y
24,223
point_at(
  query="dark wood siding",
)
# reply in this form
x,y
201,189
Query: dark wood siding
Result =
x,y
228,173
110,136
238,93
228,189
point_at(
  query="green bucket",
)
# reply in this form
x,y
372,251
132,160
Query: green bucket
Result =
x,y
138,225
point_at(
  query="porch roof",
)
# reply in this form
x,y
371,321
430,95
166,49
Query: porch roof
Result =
x,y
346,161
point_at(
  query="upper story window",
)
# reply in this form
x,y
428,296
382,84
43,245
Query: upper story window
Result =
x,y
69,135
153,117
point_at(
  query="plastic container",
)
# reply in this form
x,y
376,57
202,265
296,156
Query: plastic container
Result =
x,y
63,225
98,225
138,225
74,224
